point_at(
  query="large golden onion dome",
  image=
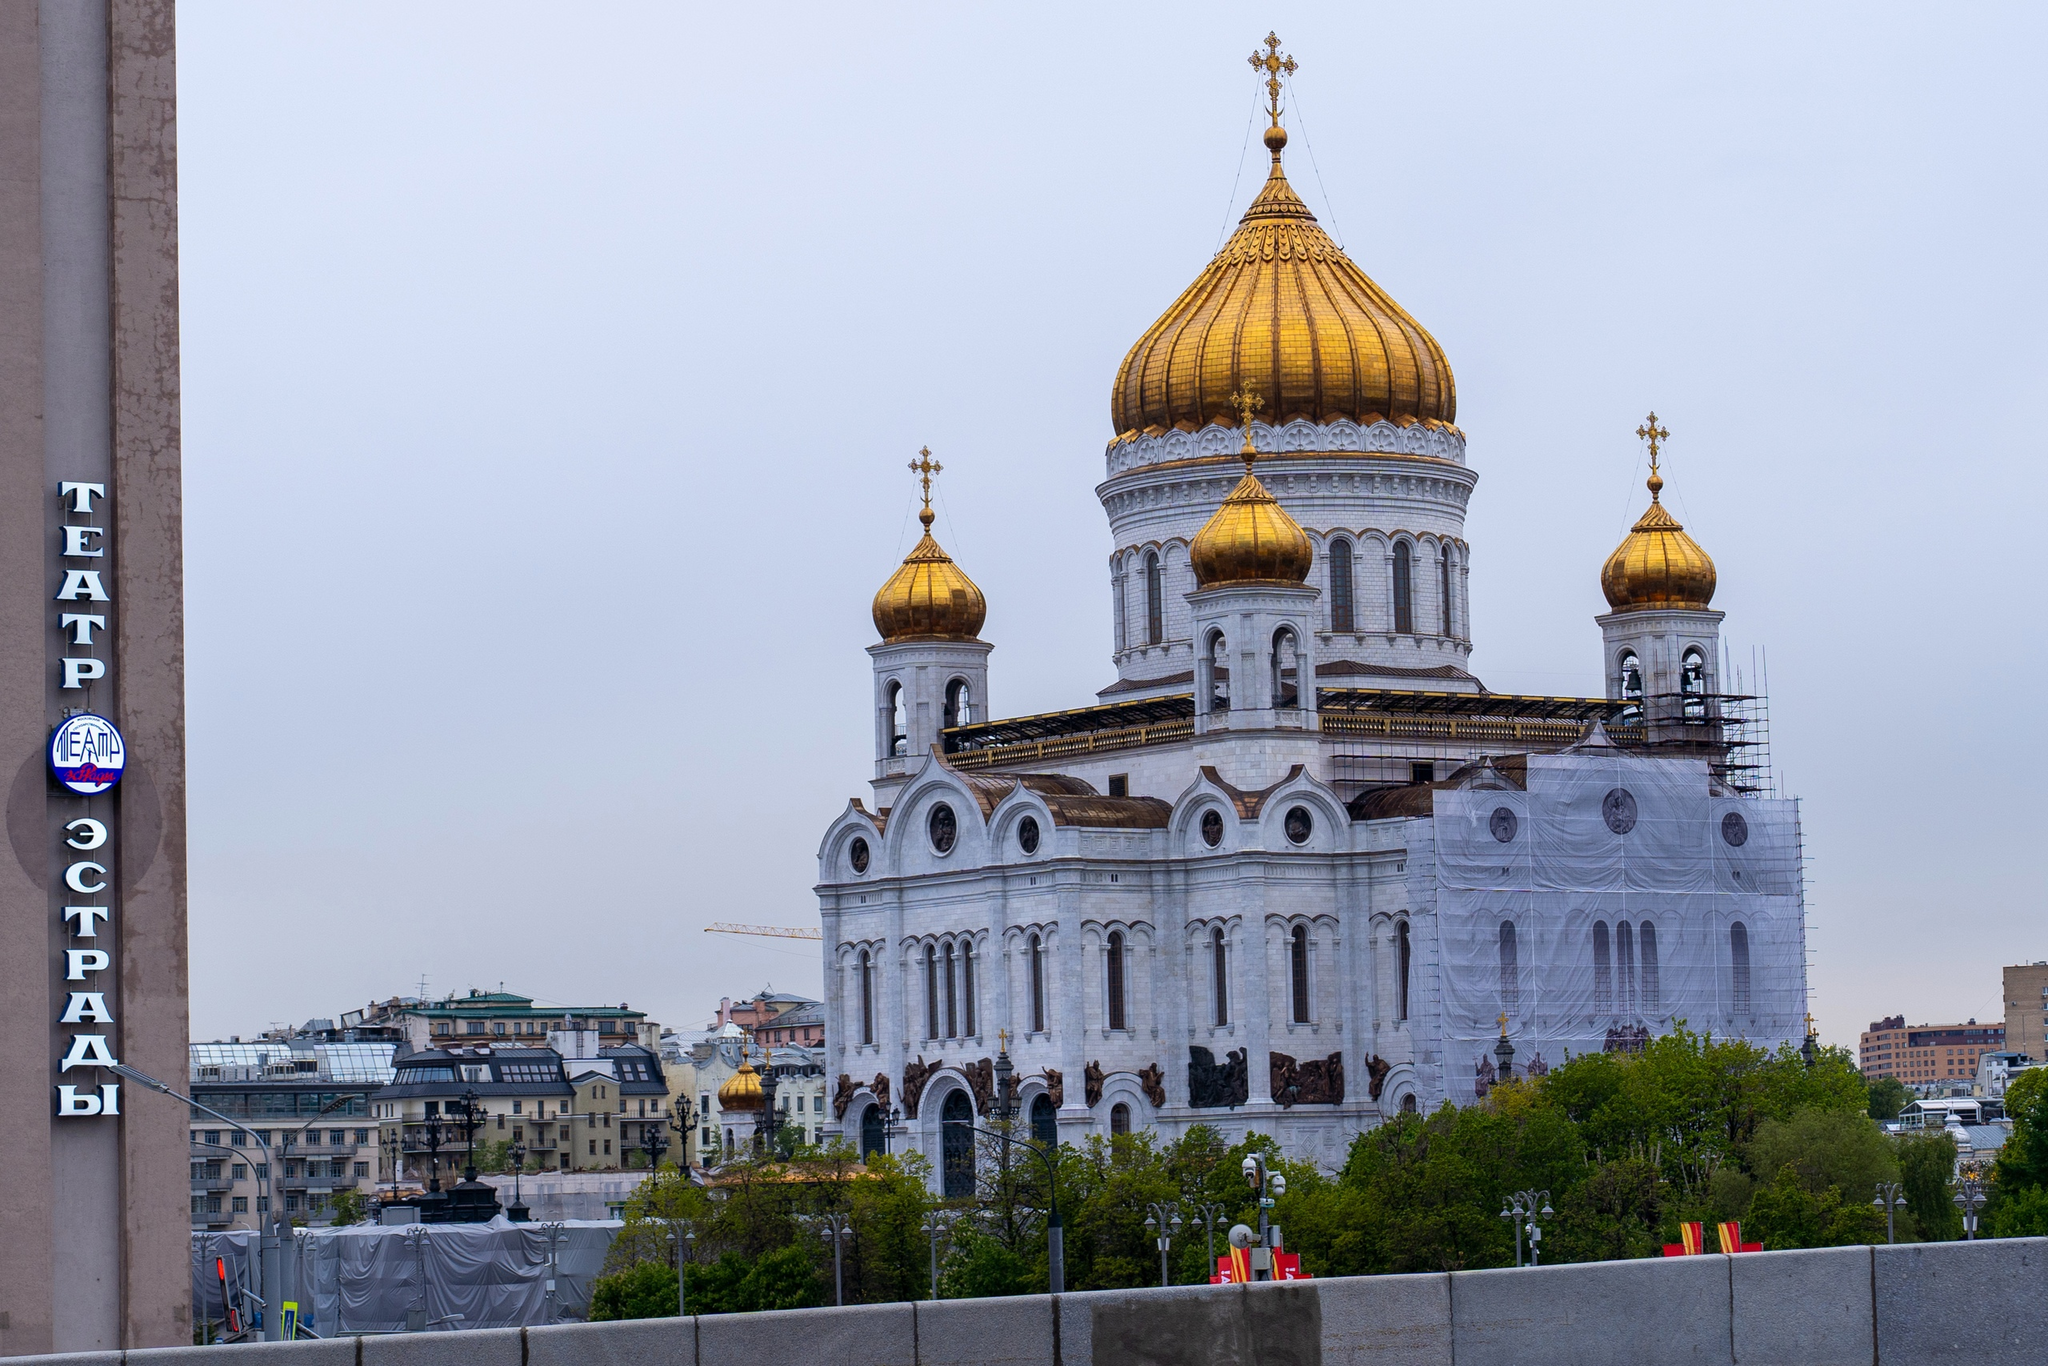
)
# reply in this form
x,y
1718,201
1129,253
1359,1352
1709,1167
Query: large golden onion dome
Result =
x,y
1283,311
1250,539
742,1090
928,597
1657,564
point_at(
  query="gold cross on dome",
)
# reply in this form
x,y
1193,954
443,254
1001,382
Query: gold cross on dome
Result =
x,y
925,466
1655,435
1275,66
1247,402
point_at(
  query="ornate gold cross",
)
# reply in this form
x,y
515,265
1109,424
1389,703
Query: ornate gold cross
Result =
x,y
1275,66
1003,1040
1655,435
926,467
1247,403
1503,1024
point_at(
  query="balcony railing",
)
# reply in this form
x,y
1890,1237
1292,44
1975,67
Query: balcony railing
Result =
x,y
204,1185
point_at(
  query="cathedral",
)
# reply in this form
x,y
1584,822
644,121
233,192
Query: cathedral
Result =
x,y
1296,869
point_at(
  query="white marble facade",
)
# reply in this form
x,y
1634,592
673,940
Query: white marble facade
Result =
x,y
1236,889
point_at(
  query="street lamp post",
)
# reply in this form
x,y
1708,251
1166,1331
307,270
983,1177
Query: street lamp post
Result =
x,y
517,1212
1970,1196
682,1118
936,1222
1206,1215
835,1226
1521,1210
654,1143
1055,1235
269,1275
1889,1199
678,1249
1162,1221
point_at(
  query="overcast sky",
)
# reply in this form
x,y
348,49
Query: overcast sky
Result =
x,y
550,374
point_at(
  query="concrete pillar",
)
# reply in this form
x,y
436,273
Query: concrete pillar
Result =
x,y
94,1207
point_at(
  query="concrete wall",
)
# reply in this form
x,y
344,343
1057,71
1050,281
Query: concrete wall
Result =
x,y
1984,1303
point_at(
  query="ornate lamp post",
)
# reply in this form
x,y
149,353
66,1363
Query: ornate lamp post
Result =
x,y
1970,1197
682,1118
1162,1221
682,1236
1207,1215
433,1136
936,1222
517,1212
469,1118
1889,1200
1521,1210
654,1143
836,1227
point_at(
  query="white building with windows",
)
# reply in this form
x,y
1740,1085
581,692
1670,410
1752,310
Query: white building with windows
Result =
x,y
1297,869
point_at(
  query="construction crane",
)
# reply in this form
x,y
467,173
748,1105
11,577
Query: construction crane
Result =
x,y
772,931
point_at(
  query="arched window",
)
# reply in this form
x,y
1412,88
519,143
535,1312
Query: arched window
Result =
x,y
1603,970
1444,561
1119,1118
1037,985
1404,589
1219,672
959,704
1738,955
1625,967
867,998
899,734
1045,1128
931,992
1219,955
1114,967
956,1144
1646,977
1341,615
873,1138
1298,952
1402,953
1286,669
1510,972
967,987
1408,1104
1123,609
1155,600
1692,681
1631,672
952,998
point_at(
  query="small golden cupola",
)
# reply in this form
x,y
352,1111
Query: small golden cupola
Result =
x,y
1283,311
1250,539
742,1090
1657,565
929,598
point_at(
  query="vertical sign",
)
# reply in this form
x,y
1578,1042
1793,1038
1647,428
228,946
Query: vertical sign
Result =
x,y
87,757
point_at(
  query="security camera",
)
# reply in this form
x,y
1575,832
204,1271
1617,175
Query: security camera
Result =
x,y
1279,1184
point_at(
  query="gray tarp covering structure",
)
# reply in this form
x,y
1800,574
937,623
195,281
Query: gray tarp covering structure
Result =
x,y
237,1248
367,1278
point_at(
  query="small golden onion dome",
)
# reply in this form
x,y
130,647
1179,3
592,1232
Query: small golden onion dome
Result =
x,y
929,596
1282,311
742,1090
1250,539
1657,564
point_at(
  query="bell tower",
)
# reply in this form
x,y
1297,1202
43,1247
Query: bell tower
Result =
x,y
931,666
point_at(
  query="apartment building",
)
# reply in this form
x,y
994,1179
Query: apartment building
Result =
x,y
296,1130
1927,1058
498,1017
2026,1009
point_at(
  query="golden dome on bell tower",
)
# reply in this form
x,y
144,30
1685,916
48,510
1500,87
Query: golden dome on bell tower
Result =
x,y
1283,311
1250,538
1657,564
742,1090
929,597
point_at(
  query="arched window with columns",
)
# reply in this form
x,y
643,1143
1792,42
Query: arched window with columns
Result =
x,y
967,988
1297,954
1037,969
1403,955
1738,958
1603,969
952,998
1510,971
1115,972
1342,617
1219,967
1444,560
1647,986
931,992
1404,589
1155,599
867,998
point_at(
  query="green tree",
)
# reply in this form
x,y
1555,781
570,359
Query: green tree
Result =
x,y
1888,1096
645,1290
1788,1213
1927,1164
785,1278
349,1208
1840,1148
2023,1160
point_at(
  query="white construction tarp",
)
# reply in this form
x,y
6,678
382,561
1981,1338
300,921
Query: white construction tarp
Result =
x,y
1617,895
